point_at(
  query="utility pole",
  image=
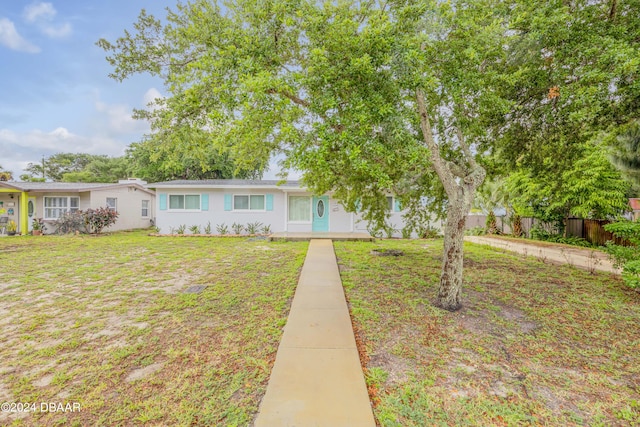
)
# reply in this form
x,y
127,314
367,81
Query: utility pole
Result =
x,y
43,174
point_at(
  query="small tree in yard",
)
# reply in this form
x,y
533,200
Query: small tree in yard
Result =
x,y
96,220
370,98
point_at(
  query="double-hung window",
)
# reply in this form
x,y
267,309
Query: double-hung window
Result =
x,y
112,204
190,202
55,207
254,202
145,208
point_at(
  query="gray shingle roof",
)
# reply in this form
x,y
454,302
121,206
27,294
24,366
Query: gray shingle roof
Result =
x,y
59,186
225,183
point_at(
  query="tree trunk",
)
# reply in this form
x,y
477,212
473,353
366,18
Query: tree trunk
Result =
x,y
460,181
449,293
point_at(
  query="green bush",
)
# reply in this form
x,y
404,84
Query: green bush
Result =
x,y
627,257
476,231
631,274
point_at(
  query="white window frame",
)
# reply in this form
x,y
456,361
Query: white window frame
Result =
x,y
185,202
112,208
145,208
264,203
65,209
310,198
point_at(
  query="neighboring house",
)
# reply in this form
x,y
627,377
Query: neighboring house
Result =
x,y
635,208
286,207
24,201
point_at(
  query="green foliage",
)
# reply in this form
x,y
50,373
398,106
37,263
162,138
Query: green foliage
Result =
x,y
57,165
539,233
590,187
266,230
476,231
237,228
629,230
194,229
181,229
100,169
627,257
631,274
38,225
222,229
207,228
96,220
181,154
625,152
70,222
253,227
492,223
5,175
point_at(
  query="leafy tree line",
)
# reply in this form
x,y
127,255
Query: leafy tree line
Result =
x,y
143,160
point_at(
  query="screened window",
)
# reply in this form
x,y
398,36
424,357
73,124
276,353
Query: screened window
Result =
x,y
55,207
300,208
112,203
389,203
248,202
184,202
145,208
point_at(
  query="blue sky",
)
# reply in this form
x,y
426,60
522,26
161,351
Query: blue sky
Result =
x,y
55,93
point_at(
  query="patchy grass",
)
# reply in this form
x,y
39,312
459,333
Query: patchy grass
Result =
x,y
535,344
104,322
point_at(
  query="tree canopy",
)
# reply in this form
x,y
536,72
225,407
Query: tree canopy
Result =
x,y
413,98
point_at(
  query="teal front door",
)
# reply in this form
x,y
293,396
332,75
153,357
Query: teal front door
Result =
x,y
320,214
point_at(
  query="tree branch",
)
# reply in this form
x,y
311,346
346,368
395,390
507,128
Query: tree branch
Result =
x,y
465,149
303,103
442,169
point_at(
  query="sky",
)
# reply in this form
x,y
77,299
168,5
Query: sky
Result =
x,y
55,92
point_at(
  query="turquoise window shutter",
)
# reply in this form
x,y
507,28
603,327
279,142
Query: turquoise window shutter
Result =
x,y
396,205
227,202
204,202
163,201
269,202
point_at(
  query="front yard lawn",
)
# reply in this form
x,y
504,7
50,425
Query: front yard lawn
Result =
x,y
535,344
105,322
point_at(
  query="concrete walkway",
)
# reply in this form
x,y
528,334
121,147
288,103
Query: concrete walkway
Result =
x,y
317,379
584,258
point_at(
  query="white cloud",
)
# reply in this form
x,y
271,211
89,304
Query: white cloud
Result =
x,y
151,95
10,38
60,140
57,32
119,119
42,15
39,11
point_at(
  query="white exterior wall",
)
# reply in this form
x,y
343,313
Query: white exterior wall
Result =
x,y
277,219
339,219
216,215
129,206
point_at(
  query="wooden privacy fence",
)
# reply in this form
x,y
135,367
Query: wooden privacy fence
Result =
x,y
592,230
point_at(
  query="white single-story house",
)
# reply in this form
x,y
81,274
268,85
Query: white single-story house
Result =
x,y
287,207
24,201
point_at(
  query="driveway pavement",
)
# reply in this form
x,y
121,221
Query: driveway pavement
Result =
x,y
584,258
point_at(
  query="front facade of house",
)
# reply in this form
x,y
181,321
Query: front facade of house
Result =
x,y
283,208
22,202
